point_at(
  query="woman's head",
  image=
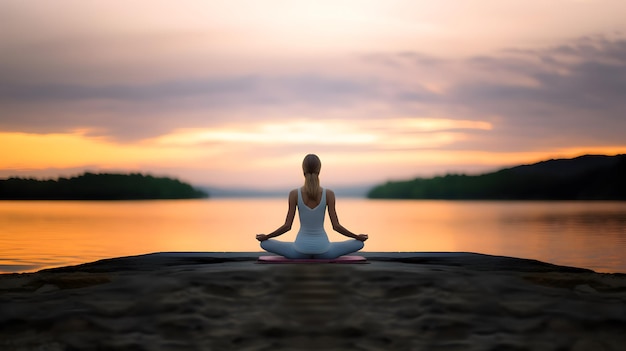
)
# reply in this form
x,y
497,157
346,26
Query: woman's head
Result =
x,y
311,166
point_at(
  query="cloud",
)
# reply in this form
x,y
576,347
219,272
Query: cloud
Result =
x,y
546,97
536,99
589,73
152,109
404,59
575,90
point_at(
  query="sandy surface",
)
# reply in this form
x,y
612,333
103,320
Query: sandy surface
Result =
x,y
410,301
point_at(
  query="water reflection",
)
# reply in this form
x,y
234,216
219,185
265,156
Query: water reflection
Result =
x,y
36,234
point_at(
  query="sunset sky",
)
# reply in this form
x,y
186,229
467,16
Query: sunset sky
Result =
x,y
234,93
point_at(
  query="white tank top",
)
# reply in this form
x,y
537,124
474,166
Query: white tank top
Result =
x,y
312,238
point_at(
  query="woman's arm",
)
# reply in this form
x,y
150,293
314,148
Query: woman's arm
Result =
x,y
332,213
291,213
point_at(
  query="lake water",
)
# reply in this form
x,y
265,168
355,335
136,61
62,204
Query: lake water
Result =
x,y
40,234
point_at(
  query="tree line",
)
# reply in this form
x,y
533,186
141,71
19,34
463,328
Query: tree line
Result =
x,y
102,186
588,177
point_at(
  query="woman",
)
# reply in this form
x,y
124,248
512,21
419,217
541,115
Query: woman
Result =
x,y
311,241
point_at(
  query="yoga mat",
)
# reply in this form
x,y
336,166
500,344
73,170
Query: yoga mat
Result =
x,y
342,259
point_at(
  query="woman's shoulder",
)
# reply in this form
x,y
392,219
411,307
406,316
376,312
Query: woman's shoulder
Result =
x,y
293,196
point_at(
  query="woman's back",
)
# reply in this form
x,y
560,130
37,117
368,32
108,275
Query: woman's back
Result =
x,y
312,237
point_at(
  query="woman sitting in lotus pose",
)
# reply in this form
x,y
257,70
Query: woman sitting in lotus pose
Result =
x,y
312,240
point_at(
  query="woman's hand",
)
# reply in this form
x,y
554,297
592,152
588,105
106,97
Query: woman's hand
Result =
x,y
361,237
262,237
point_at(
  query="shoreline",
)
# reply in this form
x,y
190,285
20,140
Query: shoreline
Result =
x,y
458,258
466,259
396,301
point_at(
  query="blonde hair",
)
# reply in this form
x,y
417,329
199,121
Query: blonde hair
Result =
x,y
311,166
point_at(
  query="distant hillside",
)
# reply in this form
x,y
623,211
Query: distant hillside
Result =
x,y
90,186
589,177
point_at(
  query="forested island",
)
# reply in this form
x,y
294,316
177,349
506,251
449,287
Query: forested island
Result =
x,y
589,177
102,186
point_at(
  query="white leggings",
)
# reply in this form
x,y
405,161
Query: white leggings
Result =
x,y
288,250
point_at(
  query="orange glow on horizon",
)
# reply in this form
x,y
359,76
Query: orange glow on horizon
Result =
x,y
58,150
389,154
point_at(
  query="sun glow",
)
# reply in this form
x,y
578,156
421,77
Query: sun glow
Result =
x,y
300,132
371,148
384,133
77,149
226,149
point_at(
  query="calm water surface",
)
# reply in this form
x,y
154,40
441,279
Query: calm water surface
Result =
x,y
40,234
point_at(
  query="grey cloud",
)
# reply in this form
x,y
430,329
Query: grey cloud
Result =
x,y
418,94
125,92
404,59
127,111
586,100
577,95
421,58
498,64
239,89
